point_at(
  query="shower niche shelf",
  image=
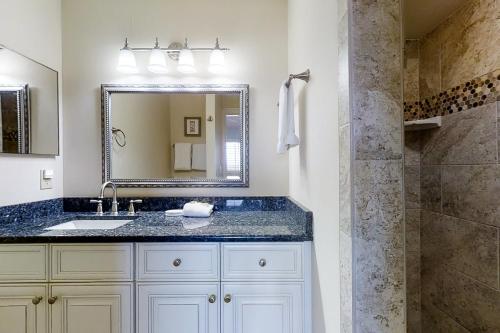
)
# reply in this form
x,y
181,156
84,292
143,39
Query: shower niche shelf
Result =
x,y
423,124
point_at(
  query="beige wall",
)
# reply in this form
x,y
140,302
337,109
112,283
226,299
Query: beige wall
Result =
x,y
314,165
182,106
32,27
186,106
145,120
93,32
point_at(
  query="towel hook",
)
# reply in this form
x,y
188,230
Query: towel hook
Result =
x,y
116,132
304,76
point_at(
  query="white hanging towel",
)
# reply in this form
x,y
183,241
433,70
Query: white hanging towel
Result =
x,y
286,125
199,157
182,156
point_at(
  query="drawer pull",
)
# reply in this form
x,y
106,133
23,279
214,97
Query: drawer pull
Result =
x,y
177,262
227,298
36,300
52,300
262,262
212,299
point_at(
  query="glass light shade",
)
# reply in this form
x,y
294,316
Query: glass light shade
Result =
x,y
126,62
157,62
216,61
186,61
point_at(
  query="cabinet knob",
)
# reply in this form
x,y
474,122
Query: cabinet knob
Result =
x,y
262,262
212,299
177,262
227,298
36,300
52,299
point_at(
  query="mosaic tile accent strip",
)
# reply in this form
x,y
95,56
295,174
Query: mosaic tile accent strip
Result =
x,y
476,92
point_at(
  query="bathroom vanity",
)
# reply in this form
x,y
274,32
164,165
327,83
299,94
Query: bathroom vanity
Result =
x,y
246,271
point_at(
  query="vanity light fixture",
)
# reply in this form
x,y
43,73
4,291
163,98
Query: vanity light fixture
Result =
x,y
126,61
186,60
157,62
216,59
181,53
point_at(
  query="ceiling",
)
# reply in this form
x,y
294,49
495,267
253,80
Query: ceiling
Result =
x,y
422,16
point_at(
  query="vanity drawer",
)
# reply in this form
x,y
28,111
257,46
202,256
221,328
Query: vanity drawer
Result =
x,y
92,262
180,262
23,263
262,261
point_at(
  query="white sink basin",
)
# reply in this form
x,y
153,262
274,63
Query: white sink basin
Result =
x,y
89,224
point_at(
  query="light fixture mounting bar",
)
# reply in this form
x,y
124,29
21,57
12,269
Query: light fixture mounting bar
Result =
x,y
147,49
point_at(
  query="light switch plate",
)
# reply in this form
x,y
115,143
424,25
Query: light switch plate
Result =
x,y
45,184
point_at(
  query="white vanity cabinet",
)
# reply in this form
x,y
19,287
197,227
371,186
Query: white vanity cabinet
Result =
x,y
155,288
264,287
103,308
23,308
178,307
262,307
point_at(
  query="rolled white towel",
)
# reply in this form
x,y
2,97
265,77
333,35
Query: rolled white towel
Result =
x,y
197,209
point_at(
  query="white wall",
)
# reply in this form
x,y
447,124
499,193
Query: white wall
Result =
x,y
93,32
33,28
314,166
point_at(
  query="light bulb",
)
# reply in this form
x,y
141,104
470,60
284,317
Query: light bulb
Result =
x,y
216,62
126,61
186,60
157,62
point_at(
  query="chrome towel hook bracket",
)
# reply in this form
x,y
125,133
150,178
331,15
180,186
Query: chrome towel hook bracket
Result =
x,y
304,76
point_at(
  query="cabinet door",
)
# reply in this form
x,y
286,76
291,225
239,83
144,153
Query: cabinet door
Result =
x,y
262,308
23,309
103,308
178,308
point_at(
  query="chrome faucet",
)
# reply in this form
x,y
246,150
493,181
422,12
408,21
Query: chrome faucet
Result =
x,y
114,204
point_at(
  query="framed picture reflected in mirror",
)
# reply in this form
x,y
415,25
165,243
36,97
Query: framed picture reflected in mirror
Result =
x,y
192,126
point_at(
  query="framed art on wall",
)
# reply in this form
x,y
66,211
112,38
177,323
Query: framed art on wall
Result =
x,y
192,126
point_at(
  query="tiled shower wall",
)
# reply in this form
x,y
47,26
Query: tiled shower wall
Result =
x,y
460,223
452,174
371,168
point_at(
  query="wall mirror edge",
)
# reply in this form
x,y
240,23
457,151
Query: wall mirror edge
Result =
x,y
108,146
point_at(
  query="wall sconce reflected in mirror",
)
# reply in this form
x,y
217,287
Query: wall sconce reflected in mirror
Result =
x,y
177,52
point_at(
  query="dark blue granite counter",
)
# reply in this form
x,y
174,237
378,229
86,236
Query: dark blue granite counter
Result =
x,y
235,219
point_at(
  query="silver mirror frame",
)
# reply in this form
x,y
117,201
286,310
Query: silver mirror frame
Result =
x,y
26,141
23,130
107,139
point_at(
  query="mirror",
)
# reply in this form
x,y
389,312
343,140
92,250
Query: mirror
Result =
x,y
29,106
175,136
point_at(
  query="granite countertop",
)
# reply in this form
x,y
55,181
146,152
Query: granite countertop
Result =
x,y
276,224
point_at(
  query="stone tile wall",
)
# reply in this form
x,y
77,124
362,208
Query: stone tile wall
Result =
x,y
452,174
371,167
376,165
458,63
460,222
345,215
413,196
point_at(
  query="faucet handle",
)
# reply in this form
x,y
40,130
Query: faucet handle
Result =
x,y
131,209
99,206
